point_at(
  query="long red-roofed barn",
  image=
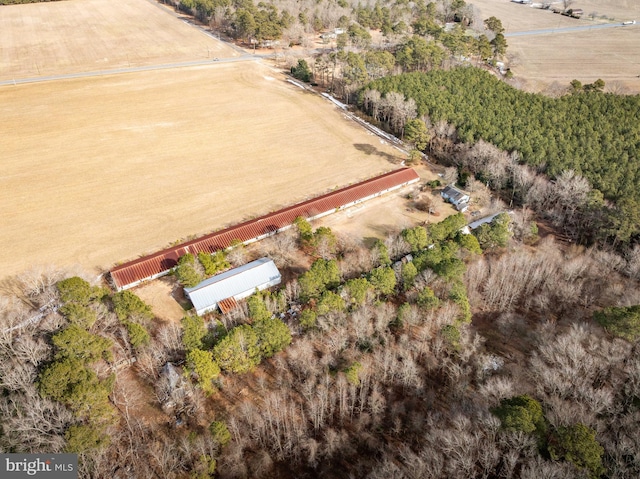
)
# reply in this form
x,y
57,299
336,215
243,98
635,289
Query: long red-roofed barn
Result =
x,y
158,264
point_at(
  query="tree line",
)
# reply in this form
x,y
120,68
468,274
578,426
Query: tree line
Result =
x,y
17,2
416,36
414,32
388,17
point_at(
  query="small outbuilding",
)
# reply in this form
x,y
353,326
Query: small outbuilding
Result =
x,y
456,197
487,219
225,289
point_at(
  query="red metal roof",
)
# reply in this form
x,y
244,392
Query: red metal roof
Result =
x,y
227,305
161,262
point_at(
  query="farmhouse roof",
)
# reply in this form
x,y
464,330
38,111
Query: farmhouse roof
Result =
x,y
158,264
233,283
453,193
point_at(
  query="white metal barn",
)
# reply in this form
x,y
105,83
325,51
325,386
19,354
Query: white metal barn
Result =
x,y
224,289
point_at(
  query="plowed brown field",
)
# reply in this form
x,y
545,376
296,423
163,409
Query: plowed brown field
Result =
x,y
100,170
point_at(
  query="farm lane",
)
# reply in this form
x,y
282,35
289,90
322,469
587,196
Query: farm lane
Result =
x,y
547,31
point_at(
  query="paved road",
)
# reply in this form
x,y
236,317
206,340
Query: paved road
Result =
x,y
546,31
243,58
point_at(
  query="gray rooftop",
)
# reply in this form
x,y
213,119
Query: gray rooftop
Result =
x,y
453,193
232,283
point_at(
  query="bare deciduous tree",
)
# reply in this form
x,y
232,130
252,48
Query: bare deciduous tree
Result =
x,y
38,284
618,88
485,158
371,100
538,468
237,256
281,248
35,428
633,262
571,192
450,175
540,195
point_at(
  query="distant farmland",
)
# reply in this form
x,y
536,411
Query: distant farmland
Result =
x,y
611,54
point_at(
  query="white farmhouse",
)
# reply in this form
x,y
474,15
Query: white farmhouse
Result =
x,y
225,289
456,197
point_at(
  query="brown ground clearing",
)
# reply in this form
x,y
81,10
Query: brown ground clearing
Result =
x,y
611,54
93,35
100,170
380,217
162,295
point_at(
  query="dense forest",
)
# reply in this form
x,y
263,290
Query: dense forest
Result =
x,y
430,354
594,134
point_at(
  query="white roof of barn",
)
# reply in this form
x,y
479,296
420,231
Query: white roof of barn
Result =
x,y
236,282
486,219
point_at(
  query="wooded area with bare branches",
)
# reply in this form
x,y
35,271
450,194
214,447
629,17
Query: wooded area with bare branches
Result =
x,y
381,379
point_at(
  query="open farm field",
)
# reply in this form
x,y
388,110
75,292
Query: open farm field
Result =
x,y
612,54
43,39
100,170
